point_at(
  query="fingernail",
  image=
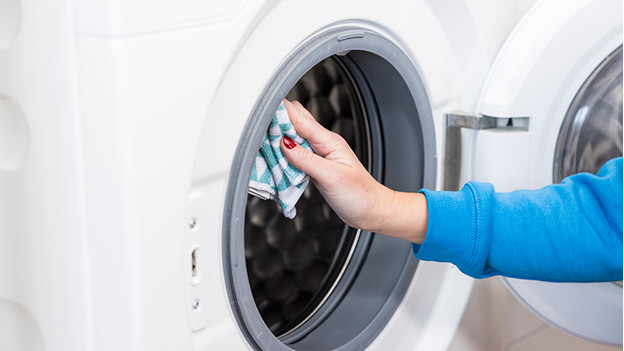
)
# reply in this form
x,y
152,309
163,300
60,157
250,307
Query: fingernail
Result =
x,y
288,142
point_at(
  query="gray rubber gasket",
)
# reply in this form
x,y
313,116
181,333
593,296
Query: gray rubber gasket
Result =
x,y
395,97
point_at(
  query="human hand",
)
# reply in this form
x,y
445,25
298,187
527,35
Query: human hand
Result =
x,y
356,197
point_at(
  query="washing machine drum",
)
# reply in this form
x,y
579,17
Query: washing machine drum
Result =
x,y
293,265
313,282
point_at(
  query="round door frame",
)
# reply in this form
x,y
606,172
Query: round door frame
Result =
x,y
406,113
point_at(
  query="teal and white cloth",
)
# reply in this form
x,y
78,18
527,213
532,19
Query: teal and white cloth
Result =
x,y
272,176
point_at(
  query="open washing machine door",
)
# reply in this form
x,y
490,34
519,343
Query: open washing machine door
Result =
x,y
552,107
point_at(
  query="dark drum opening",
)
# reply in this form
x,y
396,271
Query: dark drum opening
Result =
x,y
293,265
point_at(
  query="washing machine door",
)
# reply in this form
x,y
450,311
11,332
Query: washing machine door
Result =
x,y
553,106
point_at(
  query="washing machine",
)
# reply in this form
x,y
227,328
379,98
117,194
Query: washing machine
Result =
x,y
130,129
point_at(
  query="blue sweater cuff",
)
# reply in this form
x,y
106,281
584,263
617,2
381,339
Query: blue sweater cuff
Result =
x,y
457,232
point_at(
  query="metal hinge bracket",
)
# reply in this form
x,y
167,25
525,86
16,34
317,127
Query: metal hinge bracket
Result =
x,y
453,153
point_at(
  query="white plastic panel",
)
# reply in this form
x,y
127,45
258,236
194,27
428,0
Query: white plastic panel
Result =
x,y
555,38
9,22
43,258
123,17
18,328
14,135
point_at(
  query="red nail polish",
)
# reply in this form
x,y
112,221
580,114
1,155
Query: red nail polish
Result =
x,y
288,142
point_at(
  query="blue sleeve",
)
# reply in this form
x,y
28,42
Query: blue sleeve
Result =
x,y
568,232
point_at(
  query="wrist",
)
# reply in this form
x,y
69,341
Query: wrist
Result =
x,y
381,212
402,215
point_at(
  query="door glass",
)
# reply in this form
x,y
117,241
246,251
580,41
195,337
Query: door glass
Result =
x,y
591,133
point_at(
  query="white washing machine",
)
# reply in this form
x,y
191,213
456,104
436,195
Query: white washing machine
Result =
x,y
128,134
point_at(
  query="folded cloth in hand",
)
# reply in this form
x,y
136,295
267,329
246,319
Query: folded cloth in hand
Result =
x,y
272,176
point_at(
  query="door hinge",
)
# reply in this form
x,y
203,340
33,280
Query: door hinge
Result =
x,y
453,149
480,122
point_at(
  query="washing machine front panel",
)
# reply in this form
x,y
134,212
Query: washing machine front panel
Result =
x,y
532,86
360,45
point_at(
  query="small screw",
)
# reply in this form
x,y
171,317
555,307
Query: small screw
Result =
x,y
193,223
195,304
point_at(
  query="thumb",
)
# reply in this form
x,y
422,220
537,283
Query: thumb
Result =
x,y
305,160
319,138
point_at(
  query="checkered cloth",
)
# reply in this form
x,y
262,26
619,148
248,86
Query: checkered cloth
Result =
x,y
272,174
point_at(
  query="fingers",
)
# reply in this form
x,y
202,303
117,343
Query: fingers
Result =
x,y
305,160
321,140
